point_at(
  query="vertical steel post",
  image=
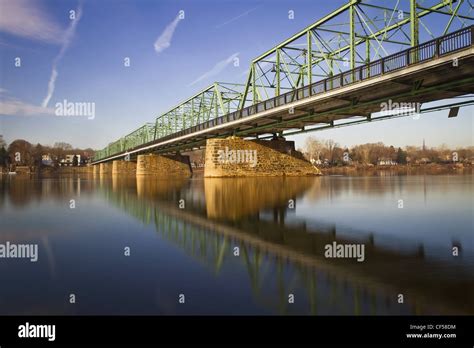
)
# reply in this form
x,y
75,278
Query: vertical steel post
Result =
x,y
414,31
254,86
414,24
331,73
367,55
277,91
352,37
367,51
309,58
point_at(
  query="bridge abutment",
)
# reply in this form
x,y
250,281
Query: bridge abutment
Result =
x,y
164,165
236,157
124,167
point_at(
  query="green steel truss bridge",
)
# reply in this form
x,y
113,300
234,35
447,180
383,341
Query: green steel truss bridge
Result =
x,y
335,72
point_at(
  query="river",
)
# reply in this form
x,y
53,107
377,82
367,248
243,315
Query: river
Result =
x,y
127,245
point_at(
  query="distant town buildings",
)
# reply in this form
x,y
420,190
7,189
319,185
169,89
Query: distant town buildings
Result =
x,y
386,162
70,160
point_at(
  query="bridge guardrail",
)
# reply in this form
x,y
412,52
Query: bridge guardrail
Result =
x,y
429,50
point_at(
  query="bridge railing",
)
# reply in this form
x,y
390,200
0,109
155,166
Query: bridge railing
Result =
x,y
426,51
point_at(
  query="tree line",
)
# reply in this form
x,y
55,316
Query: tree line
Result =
x,y
327,152
330,153
21,152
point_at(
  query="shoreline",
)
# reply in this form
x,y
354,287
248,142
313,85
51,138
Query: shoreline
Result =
x,y
350,170
402,169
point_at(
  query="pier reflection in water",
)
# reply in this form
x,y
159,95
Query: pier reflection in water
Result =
x,y
183,233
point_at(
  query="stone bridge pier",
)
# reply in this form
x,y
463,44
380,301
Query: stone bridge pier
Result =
x,y
164,165
236,157
124,167
96,169
105,168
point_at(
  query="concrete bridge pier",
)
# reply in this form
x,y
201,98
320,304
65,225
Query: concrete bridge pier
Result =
x,y
124,167
96,169
164,165
105,168
236,157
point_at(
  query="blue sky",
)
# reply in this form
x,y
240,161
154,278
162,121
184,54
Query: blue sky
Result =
x,y
91,66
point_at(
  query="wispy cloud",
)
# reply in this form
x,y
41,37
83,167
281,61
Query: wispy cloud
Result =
x,y
164,40
14,107
216,69
236,17
26,19
69,35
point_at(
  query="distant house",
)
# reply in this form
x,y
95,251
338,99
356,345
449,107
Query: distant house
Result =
x,y
386,162
46,160
69,161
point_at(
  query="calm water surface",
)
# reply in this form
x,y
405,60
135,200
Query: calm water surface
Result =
x,y
280,226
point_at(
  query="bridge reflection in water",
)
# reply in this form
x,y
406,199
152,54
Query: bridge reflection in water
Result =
x,y
281,248
283,257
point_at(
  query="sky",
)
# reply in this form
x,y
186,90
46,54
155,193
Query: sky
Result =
x,y
170,59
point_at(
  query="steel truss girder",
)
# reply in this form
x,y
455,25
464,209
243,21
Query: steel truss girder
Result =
x,y
359,40
214,101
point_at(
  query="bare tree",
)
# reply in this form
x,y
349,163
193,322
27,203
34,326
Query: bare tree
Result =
x,y
331,146
313,148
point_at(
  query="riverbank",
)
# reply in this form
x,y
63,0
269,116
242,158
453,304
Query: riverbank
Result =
x,y
47,171
431,169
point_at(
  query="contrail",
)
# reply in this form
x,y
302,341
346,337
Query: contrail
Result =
x,y
69,35
216,69
164,40
236,17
